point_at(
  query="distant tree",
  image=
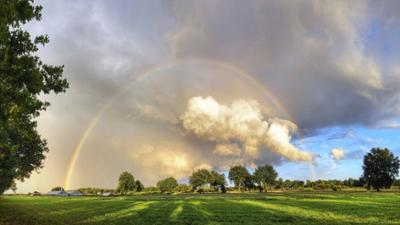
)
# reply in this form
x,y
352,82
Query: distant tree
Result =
x,y
126,183
396,182
360,182
24,79
216,180
380,168
265,176
139,186
167,185
57,189
182,188
279,183
238,174
151,189
199,178
249,183
14,187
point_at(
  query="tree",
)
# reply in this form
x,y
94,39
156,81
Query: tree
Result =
x,y
126,183
57,189
23,78
265,175
249,182
167,185
199,178
139,186
217,180
279,183
238,174
380,168
182,188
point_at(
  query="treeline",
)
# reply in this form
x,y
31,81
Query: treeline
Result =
x,y
334,185
280,184
380,169
96,191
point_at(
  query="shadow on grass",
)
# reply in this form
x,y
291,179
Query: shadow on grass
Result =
x,y
310,215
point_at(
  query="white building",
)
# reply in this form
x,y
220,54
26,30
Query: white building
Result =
x,y
107,194
74,193
57,193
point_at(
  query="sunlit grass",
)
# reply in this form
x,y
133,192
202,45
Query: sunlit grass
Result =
x,y
269,208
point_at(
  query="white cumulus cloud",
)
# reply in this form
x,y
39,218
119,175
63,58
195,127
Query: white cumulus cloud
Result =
x,y
243,123
338,154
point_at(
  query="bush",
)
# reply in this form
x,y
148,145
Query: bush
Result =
x,y
336,187
131,193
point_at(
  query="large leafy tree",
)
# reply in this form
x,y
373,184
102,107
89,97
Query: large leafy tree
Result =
x,y
199,178
23,77
126,183
239,175
139,186
217,180
167,185
265,176
380,168
57,188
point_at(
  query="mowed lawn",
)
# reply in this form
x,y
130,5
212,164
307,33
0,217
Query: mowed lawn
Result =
x,y
270,208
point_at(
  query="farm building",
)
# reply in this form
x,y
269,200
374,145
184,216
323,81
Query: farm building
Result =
x,y
57,193
74,193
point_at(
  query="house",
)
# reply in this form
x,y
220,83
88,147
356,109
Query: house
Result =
x,y
57,193
74,193
107,194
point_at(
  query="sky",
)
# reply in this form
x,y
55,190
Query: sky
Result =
x,y
162,88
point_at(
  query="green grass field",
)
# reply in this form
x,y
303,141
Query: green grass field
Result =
x,y
270,208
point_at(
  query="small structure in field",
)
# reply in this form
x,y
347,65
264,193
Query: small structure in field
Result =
x,y
107,194
74,193
57,193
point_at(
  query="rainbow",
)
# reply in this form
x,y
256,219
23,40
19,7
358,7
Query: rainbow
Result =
x,y
235,70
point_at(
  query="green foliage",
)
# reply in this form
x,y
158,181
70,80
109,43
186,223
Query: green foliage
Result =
x,y
199,178
217,180
380,168
23,77
239,175
182,188
57,189
167,185
152,189
139,186
126,183
95,191
265,176
202,177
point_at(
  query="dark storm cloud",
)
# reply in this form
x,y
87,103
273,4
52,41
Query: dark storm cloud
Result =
x,y
310,53
317,57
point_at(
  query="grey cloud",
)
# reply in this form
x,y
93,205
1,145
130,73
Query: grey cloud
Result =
x,y
321,59
310,53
